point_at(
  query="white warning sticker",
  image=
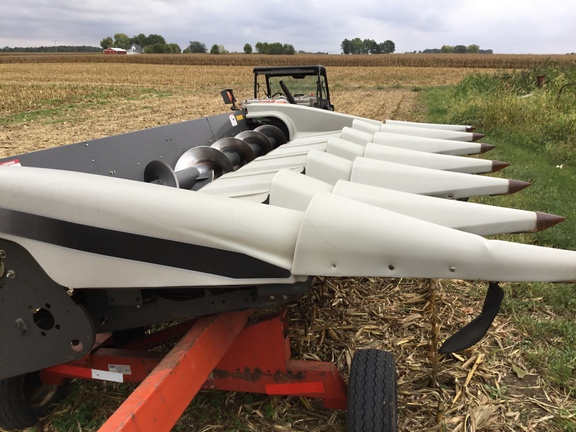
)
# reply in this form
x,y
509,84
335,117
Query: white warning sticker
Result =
x,y
233,120
107,376
123,369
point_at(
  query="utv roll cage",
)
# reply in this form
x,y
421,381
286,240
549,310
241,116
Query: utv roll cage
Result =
x,y
299,84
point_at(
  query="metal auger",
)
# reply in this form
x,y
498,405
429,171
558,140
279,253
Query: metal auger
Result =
x,y
274,134
210,162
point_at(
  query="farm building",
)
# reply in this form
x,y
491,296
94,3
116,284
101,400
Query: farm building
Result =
x,y
114,51
135,49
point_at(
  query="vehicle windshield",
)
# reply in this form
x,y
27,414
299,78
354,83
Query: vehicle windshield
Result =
x,y
306,86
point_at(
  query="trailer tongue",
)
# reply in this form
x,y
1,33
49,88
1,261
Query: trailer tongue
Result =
x,y
233,213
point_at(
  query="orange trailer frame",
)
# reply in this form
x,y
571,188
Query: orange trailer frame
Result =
x,y
230,351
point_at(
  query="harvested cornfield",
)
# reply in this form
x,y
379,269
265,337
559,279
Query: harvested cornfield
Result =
x,y
488,387
83,101
490,61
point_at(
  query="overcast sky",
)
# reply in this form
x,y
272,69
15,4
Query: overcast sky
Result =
x,y
505,26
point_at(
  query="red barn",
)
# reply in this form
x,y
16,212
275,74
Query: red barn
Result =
x,y
114,51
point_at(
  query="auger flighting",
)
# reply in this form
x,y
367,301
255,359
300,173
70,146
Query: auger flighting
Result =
x,y
210,162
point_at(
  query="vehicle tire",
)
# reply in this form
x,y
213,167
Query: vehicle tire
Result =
x,y
25,399
372,393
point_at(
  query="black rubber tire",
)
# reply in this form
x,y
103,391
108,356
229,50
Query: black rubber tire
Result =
x,y
372,392
24,399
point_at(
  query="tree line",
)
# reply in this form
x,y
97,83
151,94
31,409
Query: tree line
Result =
x,y
153,43
274,48
458,49
367,46
58,48
196,47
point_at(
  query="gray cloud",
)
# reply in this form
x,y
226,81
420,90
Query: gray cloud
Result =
x,y
507,26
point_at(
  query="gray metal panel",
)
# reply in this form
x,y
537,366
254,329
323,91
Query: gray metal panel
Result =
x,y
41,324
223,125
127,155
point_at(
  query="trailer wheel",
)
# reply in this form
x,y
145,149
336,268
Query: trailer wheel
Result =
x,y
25,399
372,393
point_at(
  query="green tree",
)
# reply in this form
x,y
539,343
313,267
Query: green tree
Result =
x,y
447,49
274,48
158,48
387,47
121,40
215,49
196,47
370,46
367,46
139,40
473,49
247,49
288,49
460,49
175,48
262,47
162,48
154,39
357,46
107,42
346,46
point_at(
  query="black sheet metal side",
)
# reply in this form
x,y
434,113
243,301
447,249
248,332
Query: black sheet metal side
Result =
x,y
127,155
